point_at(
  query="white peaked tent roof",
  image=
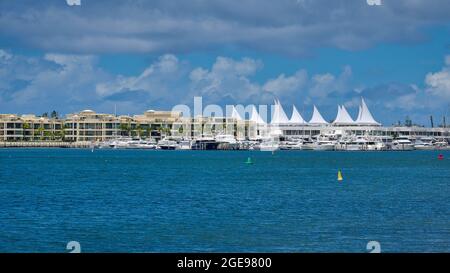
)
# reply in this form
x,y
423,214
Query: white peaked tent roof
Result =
x,y
256,117
235,114
296,118
364,116
359,114
343,116
317,117
279,116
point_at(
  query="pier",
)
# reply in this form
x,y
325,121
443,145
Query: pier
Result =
x,y
45,144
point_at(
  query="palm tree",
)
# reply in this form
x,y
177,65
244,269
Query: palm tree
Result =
x,y
63,134
40,132
124,127
25,126
139,130
160,130
47,135
59,134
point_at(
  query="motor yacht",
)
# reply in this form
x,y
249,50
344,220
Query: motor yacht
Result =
x,y
402,143
167,144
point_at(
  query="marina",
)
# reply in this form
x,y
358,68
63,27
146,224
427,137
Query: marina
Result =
x,y
170,130
314,143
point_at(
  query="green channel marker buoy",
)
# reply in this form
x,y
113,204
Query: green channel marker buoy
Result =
x,y
249,161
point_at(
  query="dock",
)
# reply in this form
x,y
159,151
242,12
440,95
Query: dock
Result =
x,y
45,144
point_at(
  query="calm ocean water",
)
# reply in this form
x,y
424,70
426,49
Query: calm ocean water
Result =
x,y
185,201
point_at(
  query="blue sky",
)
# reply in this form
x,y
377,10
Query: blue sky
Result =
x,y
143,55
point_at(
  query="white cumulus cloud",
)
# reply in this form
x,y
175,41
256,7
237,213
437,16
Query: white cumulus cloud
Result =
x,y
438,83
73,2
285,27
287,84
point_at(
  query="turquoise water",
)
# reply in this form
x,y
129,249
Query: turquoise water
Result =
x,y
203,201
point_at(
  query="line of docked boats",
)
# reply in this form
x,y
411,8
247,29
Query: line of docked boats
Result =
x,y
311,143
366,143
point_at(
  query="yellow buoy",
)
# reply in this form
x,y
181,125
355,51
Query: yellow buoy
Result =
x,y
340,178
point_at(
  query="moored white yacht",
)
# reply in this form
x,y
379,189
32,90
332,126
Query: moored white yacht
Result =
x,y
269,145
402,143
291,145
140,144
227,142
441,145
324,145
424,143
128,143
167,144
360,143
352,144
184,144
308,145
374,145
204,142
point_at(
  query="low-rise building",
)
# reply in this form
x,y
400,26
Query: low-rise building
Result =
x,y
89,126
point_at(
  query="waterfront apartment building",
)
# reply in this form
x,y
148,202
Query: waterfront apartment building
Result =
x,y
29,128
88,125
84,126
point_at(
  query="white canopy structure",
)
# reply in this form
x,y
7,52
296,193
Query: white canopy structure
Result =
x,y
359,114
235,114
296,118
317,118
343,117
279,116
255,117
364,115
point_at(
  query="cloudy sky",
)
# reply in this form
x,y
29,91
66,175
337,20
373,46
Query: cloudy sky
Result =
x,y
143,55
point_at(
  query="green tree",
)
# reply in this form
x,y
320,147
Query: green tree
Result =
x,y
60,134
167,131
48,135
40,132
54,114
139,130
25,126
164,131
125,127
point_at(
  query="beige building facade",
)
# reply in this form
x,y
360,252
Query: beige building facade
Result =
x,y
88,125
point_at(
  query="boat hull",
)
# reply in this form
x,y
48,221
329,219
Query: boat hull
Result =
x,y
403,147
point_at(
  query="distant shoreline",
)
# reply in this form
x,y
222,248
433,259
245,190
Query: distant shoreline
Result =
x,y
90,145
45,144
